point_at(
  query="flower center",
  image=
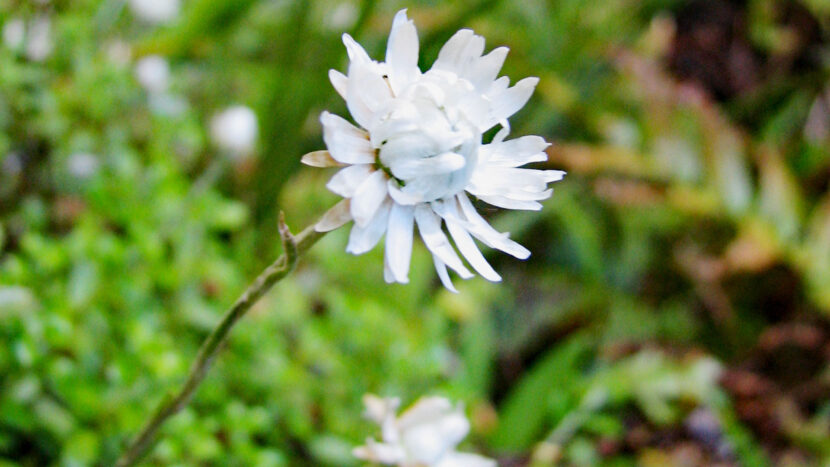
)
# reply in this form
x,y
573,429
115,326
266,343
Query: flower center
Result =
x,y
429,149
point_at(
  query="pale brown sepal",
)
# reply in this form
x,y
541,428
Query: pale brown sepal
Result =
x,y
320,159
335,217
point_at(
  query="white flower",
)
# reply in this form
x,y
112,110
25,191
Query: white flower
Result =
x,y
83,165
419,151
119,52
235,129
425,435
153,73
156,11
14,33
39,43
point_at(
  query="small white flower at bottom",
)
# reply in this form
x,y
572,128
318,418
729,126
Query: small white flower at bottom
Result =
x,y
156,11
425,435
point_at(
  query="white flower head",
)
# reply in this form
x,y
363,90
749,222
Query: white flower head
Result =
x,y
425,435
14,33
156,11
39,43
83,165
418,152
153,73
235,130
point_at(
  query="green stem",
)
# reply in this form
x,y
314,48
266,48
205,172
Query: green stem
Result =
x,y
172,404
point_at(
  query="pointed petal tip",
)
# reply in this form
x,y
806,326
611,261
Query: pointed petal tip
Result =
x,y
530,81
400,16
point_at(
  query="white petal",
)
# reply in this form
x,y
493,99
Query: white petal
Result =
x,y
339,81
346,181
406,168
429,442
363,239
508,203
492,179
380,452
459,52
354,50
463,459
486,233
368,197
509,101
407,199
347,143
486,69
441,269
429,225
399,241
402,52
466,245
516,152
335,217
424,410
387,272
367,93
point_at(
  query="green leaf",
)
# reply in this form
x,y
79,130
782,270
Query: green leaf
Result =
x,y
524,413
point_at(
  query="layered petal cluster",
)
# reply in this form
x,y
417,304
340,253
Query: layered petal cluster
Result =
x,y
417,152
425,435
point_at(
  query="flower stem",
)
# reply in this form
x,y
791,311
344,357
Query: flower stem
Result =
x,y
172,404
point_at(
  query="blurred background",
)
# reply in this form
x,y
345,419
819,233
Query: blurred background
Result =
x,y
674,312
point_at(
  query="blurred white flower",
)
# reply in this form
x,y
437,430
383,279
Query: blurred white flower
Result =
x,y
119,52
235,129
39,39
425,435
343,16
82,165
156,11
419,151
14,33
153,73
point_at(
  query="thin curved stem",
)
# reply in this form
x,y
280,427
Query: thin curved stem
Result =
x,y
173,403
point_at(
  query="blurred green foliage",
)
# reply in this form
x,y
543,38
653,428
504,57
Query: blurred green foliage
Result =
x,y
690,238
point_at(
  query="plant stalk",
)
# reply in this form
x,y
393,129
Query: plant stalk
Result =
x,y
293,247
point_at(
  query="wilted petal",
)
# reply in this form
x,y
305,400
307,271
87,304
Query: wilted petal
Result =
x,y
320,159
335,217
